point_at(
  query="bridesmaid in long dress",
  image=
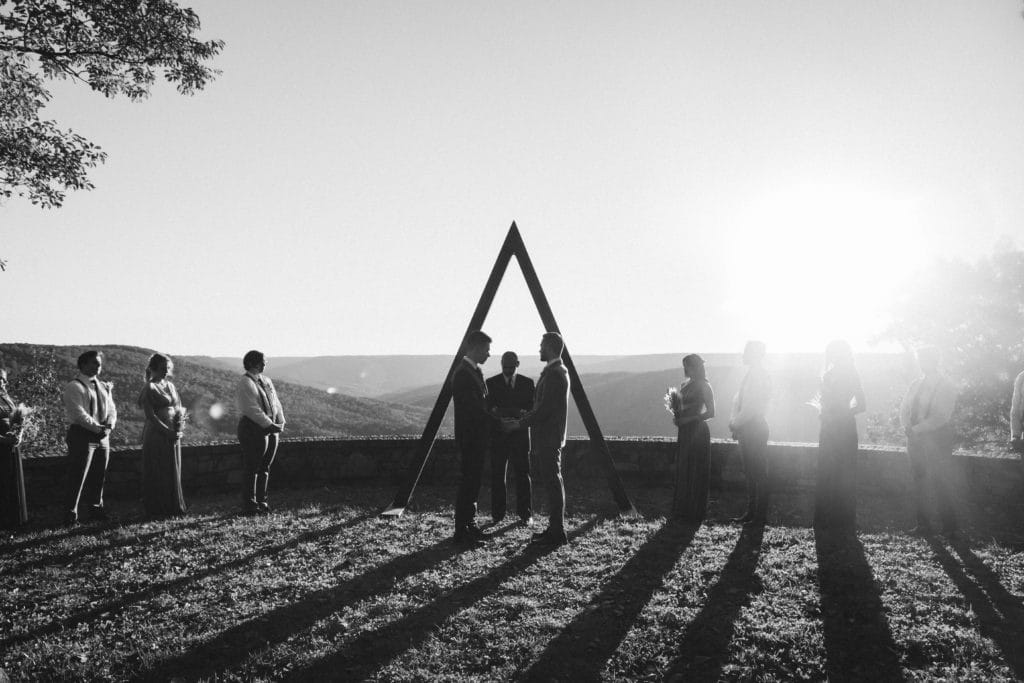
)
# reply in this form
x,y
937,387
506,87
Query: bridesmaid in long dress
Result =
x,y
841,399
693,460
13,509
161,441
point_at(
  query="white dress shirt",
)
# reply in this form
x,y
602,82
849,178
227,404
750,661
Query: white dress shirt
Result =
x,y
751,401
79,402
251,400
1017,408
936,397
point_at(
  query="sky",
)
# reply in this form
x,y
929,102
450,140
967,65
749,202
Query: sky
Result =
x,y
685,176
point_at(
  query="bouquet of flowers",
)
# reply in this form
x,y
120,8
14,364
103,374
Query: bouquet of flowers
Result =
x,y
179,416
673,401
21,420
815,402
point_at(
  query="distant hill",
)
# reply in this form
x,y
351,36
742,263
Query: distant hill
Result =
x,y
384,376
630,403
39,373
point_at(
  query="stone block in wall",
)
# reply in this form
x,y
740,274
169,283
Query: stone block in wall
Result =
x,y
358,466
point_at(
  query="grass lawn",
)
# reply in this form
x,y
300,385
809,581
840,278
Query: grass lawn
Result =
x,y
324,589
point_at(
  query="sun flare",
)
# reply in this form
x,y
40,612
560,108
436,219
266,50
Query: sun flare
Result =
x,y
817,262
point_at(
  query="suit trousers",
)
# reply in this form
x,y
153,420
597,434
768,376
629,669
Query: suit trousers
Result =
x,y
88,458
258,451
511,449
472,452
753,441
931,463
549,461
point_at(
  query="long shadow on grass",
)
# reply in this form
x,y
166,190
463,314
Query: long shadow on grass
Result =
x,y
858,641
999,612
705,645
234,645
109,608
123,542
371,650
580,651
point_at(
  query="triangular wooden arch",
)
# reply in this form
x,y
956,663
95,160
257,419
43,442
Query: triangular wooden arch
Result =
x,y
513,246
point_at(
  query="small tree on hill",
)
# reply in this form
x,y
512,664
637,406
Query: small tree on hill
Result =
x,y
116,47
974,312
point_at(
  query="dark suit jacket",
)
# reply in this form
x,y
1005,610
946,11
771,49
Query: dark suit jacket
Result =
x,y
551,403
473,421
506,402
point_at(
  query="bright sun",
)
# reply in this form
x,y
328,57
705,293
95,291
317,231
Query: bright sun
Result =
x,y
819,262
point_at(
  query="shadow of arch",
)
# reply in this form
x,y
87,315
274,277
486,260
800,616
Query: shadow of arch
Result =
x,y
858,641
1000,614
583,647
360,657
704,646
114,606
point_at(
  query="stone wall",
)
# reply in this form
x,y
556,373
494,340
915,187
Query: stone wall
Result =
x,y
217,468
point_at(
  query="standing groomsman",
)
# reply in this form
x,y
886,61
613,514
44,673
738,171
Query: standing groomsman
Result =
x,y
749,426
473,422
91,414
510,395
926,414
259,430
547,421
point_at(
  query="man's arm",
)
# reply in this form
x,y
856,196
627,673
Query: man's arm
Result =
x,y
755,401
248,401
275,400
907,404
550,401
941,410
111,409
466,393
1017,407
77,414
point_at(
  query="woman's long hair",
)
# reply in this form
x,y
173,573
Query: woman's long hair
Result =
x,y
838,354
693,366
156,361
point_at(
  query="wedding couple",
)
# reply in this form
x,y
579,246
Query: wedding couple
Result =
x,y
475,422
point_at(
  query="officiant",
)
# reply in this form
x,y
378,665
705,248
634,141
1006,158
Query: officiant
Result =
x,y
510,395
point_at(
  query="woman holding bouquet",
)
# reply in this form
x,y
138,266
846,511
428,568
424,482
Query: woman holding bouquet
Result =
x,y
691,410
13,510
841,399
161,440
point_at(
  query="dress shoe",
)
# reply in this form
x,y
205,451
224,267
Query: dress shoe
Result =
x,y
476,534
262,508
99,513
249,511
742,520
550,537
526,521
70,520
495,521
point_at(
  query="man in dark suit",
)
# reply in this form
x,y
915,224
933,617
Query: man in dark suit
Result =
x,y
547,423
510,395
473,424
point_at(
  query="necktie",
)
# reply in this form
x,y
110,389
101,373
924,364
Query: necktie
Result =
x,y
97,412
